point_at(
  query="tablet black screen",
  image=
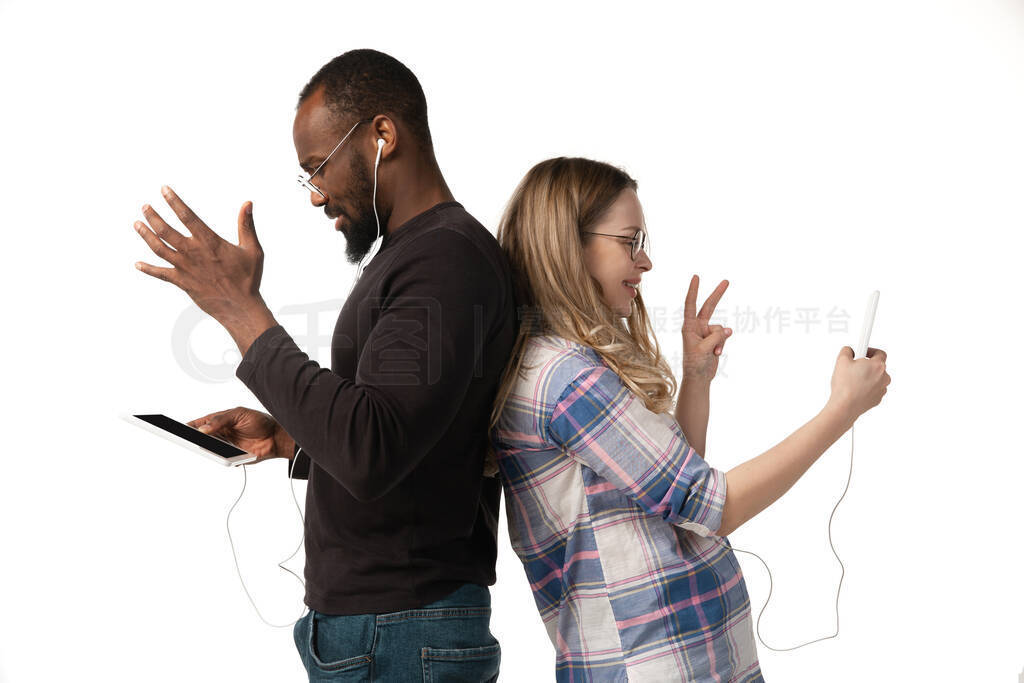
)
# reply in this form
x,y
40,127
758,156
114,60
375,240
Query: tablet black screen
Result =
x,y
208,442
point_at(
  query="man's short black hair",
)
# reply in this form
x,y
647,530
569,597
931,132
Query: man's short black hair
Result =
x,y
360,84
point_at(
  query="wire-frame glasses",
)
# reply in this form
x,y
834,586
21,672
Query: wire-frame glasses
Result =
x,y
306,181
637,242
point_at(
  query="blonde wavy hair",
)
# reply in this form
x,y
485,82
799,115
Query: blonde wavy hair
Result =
x,y
542,234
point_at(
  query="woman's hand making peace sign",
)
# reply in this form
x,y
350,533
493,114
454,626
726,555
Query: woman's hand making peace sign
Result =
x,y
702,342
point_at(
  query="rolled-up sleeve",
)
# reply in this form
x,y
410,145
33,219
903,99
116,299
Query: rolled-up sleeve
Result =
x,y
603,425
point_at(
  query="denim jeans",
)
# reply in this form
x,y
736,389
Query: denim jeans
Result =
x,y
446,640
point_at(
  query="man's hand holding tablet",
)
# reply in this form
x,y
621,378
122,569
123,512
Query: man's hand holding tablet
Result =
x,y
251,430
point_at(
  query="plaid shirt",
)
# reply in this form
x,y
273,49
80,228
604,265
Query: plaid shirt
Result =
x,y
610,511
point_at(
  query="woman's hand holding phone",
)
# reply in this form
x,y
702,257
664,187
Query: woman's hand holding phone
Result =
x,y
858,385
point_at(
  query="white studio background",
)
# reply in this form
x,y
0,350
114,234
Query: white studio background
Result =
x,y
809,152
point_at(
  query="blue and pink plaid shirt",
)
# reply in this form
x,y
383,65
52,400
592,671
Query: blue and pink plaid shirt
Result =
x,y
611,513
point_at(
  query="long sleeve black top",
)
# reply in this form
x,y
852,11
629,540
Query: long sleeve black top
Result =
x,y
393,436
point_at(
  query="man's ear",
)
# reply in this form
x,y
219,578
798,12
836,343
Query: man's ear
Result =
x,y
384,128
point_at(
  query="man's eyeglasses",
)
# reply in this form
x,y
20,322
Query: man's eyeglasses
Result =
x,y
306,181
637,242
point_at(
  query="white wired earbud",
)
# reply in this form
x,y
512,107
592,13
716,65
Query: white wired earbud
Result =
x,y
842,567
377,241
291,470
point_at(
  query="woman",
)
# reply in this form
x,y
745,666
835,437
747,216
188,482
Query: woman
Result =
x,y
617,518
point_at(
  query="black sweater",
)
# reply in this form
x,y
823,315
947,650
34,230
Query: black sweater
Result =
x,y
398,513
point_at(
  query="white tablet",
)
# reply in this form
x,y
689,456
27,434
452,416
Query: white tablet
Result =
x,y
191,438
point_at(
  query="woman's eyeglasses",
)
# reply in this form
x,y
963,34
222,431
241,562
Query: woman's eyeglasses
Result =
x,y
637,242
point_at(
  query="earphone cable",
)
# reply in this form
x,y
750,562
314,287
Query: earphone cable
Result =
x,y
841,565
245,478
378,241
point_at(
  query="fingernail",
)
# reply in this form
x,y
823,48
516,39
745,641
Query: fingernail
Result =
x,y
728,332
204,428
165,191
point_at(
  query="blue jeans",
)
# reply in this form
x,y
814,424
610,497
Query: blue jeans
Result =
x,y
446,640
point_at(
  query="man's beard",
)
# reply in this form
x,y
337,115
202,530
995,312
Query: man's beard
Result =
x,y
361,230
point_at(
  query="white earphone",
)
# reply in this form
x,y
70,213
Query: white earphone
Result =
x,y
772,583
291,468
302,519
377,241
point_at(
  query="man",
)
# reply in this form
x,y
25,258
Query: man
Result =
x,y
401,526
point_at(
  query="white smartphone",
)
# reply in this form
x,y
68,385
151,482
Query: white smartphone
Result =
x,y
869,320
191,438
